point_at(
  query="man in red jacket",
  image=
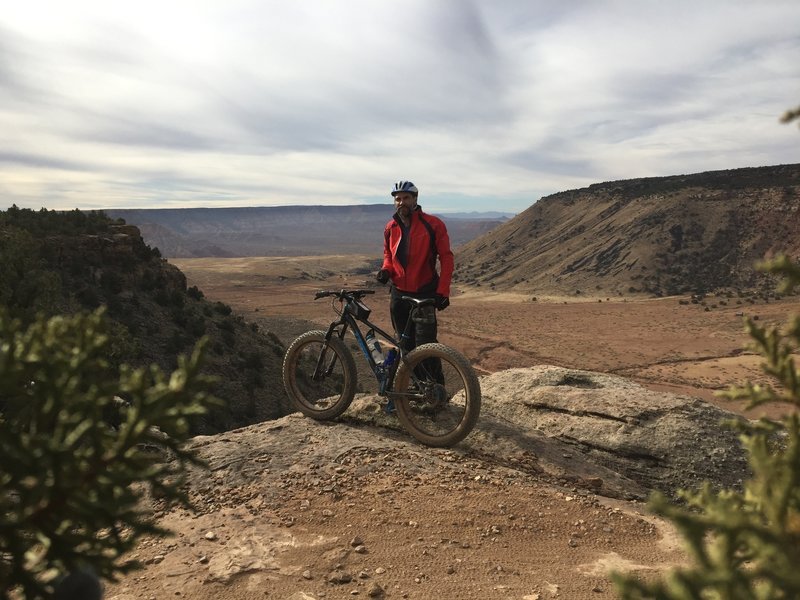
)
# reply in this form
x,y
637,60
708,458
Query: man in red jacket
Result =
x,y
413,241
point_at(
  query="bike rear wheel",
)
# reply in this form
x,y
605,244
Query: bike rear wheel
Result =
x,y
329,394
444,401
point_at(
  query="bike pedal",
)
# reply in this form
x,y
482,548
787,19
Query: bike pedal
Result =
x,y
389,408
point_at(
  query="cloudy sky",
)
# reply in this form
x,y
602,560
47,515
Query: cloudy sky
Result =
x,y
485,105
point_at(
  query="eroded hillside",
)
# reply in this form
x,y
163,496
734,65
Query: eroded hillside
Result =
x,y
658,236
63,263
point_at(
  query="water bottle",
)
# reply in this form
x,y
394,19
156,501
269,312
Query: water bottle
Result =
x,y
374,347
391,355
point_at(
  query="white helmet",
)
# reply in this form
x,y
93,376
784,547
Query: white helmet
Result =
x,y
405,186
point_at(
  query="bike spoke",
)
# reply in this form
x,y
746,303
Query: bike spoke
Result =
x,y
319,375
441,399
320,389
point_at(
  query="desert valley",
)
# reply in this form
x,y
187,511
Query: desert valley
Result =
x,y
215,214
297,509
603,323
668,344
543,500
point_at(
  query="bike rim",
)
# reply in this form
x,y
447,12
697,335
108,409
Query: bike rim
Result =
x,y
439,404
322,392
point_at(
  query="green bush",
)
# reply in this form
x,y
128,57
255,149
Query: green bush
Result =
x,y
26,284
746,545
43,223
74,466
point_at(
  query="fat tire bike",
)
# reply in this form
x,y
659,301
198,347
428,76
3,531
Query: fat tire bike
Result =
x,y
432,387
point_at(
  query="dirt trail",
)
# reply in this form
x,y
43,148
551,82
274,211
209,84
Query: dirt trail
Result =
x,y
296,506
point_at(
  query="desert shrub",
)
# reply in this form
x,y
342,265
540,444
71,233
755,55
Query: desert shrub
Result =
x,y
222,308
227,324
45,222
162,297
111,281
745,544
149,279
253,360
26,285
179,316
115,306
791,115
176,342
177,298
196,325
195,293
88,297
229,337
71,482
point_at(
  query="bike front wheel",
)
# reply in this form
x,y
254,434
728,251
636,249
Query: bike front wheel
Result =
x,y
439,396
319,375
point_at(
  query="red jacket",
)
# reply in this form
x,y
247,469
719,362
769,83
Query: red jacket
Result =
x,y
419,274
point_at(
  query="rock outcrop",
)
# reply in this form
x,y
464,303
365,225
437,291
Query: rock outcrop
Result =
x,y
295,508
592,431
611,428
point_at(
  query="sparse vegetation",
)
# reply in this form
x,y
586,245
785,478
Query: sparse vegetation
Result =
x,y
82,443
54,263
746,544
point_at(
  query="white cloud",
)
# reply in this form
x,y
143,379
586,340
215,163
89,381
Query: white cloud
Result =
x,y
245,102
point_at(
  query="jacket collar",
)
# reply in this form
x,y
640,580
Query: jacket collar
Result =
x,y
414,214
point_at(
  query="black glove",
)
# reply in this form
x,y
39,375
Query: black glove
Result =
x,y
382,276
442,302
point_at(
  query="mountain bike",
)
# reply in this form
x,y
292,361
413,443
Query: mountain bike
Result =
x,y
433,388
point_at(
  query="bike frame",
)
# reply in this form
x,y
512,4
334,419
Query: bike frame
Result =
x,y
349,320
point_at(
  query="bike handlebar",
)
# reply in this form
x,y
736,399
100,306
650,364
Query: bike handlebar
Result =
x,y
343,294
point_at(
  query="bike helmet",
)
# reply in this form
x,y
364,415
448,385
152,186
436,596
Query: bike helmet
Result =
x,y
404,186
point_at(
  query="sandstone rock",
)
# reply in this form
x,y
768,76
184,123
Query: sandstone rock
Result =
x,y
339,577
623,438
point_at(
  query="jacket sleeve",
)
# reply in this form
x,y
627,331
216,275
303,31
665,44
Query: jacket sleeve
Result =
x,y
387,250
446,263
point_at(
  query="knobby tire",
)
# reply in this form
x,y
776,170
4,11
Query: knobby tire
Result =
x,y
329,396
444,412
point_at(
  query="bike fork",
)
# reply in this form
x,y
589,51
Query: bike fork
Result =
x,y
320,370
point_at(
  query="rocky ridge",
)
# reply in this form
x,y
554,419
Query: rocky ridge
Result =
x,y
63,263
657,236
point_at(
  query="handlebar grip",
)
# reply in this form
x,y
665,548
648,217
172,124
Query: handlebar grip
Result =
x,y
321,294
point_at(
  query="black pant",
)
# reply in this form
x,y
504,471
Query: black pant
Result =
x,y
423,331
